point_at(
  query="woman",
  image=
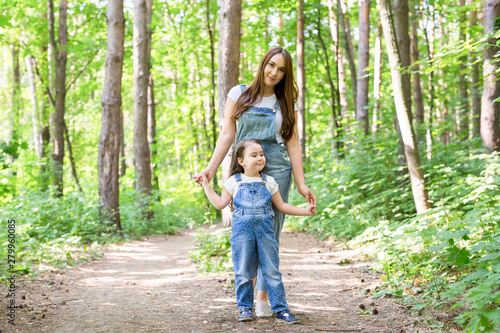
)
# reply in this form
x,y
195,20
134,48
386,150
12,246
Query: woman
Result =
x,y
265,111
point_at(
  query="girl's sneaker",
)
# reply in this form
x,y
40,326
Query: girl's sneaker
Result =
x,y
286,317
245,315
262,309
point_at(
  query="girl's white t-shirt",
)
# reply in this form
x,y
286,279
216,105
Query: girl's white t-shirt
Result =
x,y
267,102
232,185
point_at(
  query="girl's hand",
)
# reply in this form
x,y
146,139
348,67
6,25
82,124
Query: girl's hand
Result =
x,y
209,174
205,181
307,193
311,210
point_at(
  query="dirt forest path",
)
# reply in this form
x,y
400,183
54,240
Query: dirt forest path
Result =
x,y
152,286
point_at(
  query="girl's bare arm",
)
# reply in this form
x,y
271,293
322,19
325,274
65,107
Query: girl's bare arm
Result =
x,y
289,209
219,202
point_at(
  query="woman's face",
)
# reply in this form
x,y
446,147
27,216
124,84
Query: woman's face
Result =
x,y
274,70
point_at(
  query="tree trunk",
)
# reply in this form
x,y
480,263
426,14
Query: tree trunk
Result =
x,y
342,87
212,88
123,162
417,90
431,100
35,115
60,99
401,28
152,138
228,60
301,79
475,83
111,125
490,107
377,79
346,29
363,59
45,115
336,119
72,159
463,110
16,91
420,194
142,155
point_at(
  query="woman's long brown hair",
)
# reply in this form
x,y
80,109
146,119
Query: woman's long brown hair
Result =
x,y
286,92
239,152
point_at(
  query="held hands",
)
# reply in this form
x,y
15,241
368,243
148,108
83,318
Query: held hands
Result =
x,y
208,174
204,181
310,210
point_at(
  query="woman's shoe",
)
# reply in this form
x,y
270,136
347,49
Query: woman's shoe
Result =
x,y
263,310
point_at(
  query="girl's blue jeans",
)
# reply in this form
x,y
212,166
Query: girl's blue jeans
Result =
x,y
252,241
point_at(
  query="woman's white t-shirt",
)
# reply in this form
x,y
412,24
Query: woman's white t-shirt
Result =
x,y
267,102
232,185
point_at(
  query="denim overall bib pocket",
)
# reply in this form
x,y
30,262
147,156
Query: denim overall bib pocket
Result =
x,y
253,243
260,123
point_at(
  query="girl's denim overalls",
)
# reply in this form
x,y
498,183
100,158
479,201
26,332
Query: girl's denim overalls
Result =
x,y
260,123
253,242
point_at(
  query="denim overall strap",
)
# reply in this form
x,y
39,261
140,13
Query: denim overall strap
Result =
x,y
264,178
238,178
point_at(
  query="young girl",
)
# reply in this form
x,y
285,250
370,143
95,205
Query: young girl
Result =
x,y
252,238
265,110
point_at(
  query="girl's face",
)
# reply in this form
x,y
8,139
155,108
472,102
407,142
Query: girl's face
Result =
x,y
253,159
274,70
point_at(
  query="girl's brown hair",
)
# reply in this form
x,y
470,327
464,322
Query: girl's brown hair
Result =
x,y
286,92
239,152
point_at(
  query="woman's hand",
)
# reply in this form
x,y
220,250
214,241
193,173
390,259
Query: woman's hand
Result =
x,y
207,173
307,193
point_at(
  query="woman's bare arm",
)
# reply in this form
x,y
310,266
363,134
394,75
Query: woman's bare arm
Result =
x,y
226,138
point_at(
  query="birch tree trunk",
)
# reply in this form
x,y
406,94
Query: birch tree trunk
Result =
x,y
475,82
111,124
301,79
363,60
142,155
420,194
228,60
60,99
490,107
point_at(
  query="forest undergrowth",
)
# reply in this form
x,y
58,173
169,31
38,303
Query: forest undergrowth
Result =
x,y
448,258
53,232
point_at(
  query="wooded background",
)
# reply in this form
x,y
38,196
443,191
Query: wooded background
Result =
x,y
109,108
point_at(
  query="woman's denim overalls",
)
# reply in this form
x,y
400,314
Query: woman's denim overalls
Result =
x,y
260,123
253,242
